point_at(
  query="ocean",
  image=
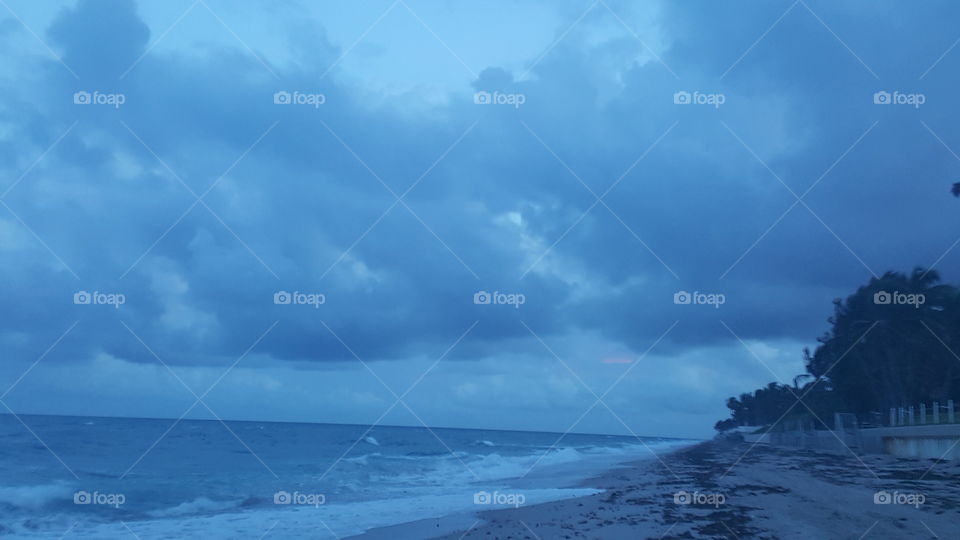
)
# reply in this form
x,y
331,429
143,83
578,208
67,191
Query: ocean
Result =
x,y
146,478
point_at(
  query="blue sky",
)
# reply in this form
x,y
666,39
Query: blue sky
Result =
x,y
782,186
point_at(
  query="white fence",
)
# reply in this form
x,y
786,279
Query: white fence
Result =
x,y
936,413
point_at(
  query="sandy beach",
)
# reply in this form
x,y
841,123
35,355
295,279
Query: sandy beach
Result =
x,y
712,490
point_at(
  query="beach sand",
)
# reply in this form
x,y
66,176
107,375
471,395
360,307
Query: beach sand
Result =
x,y
770,492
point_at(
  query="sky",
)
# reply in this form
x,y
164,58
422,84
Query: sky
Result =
x,y
172,173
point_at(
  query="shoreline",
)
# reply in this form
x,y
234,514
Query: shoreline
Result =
x,y
562,477
713,490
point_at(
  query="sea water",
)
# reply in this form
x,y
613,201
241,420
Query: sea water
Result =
x,y
64,476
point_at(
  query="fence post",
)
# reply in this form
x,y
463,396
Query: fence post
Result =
x,y
936,412
900,415
950,414
893,416
923,413
910,417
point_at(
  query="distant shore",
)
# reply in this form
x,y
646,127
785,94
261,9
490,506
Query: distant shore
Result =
x,y
721,489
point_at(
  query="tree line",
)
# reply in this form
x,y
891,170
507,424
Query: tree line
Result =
x,y
894,342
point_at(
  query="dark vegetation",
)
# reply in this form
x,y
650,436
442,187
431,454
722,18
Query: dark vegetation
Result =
x,y
892,343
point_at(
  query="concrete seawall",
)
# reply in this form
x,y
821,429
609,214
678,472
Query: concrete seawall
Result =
x,y
941,441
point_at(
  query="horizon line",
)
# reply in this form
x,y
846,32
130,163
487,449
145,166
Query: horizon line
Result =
x,y
629,436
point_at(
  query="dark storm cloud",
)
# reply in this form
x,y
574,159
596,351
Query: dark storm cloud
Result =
x,y
698,199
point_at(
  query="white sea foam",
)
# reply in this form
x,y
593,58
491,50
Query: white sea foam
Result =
x,y
305,521
362,460
465,468
35,497
200,505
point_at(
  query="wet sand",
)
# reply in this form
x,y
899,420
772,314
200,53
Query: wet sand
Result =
x,y
726,489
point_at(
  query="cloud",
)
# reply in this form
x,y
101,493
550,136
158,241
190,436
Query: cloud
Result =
x,y
78,33
492,197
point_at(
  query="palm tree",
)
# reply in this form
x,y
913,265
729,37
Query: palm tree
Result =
x,y
901,359
879,352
